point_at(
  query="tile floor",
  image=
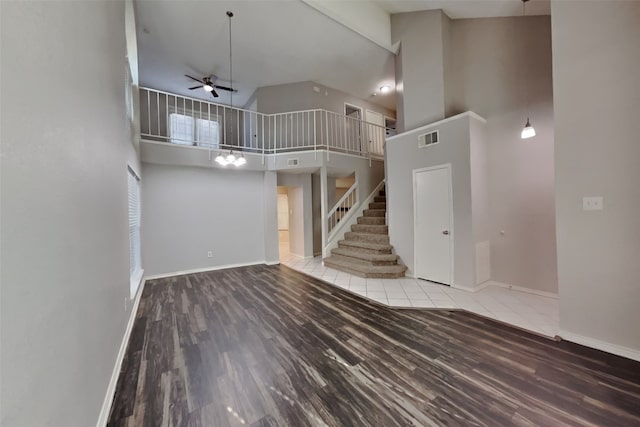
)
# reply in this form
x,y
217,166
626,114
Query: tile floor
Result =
x,y
532,312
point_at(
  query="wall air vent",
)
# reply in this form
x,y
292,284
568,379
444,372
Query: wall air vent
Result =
x,y
292,162
428,139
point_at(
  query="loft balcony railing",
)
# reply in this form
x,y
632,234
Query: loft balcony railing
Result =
x,y
175,119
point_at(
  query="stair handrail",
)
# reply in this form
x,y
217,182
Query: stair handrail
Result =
x,y
332,217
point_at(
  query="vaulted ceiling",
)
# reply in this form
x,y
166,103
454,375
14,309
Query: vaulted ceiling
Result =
x,y
277,42
274,42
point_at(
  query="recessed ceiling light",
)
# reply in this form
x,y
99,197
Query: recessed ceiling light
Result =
x,y
385,89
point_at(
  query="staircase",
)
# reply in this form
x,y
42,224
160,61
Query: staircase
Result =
x,y
366,251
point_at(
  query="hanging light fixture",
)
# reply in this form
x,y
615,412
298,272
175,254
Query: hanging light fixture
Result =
x,y
230,159
528,130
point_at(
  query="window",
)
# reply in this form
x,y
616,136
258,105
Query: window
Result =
x,y
185,130
207,133
135,264
181,131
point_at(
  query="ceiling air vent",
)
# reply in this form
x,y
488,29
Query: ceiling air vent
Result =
x,y
427,139
292,162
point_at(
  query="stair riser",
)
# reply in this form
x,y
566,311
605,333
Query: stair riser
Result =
x,y
375,205
373,229
374,213
359,261
366,250
371,220
379,199
362,274
372,238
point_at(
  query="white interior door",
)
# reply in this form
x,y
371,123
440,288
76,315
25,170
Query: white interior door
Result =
x,y
433,224
375,132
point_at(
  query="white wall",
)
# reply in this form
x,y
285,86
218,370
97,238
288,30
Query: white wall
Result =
x,y
597,102
65,245
488,78
420,66
187,212
480,202
402,157
366,18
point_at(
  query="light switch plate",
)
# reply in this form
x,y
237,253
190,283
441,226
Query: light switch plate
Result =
x,y
592,203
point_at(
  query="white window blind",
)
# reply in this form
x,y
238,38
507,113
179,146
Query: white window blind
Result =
x,y
181,129
207,133
135,264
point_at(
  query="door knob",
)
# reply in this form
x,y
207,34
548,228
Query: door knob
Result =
x,y
445,232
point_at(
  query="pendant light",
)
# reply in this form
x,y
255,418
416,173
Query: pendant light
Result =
x,y
528,130
230,159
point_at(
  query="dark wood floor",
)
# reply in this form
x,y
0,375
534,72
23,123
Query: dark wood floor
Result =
x,y
268,346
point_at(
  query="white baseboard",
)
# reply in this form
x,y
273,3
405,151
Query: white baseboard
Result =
x,y
476,288
619,350
202,270
520,288
115,374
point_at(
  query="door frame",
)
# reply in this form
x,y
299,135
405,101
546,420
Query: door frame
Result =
x,y
446,166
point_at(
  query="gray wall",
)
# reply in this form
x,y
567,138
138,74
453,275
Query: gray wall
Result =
x,y
316,210
65,244
187,212
301,96
488,78
421,66
596,101
404,156
270,219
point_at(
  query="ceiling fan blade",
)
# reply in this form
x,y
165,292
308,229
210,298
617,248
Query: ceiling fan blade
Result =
x,y
193,78
196,87
214,93
225,88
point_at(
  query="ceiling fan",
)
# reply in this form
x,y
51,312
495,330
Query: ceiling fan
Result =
x,y
207,83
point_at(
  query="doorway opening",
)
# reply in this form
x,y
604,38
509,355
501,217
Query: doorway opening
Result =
x,y
283,221
390,126
353,127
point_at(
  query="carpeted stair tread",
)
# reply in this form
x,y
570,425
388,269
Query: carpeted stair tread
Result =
x,y
375,271
365,250
371,220
354,255
378,205
375,248
375,212
373,229
367,237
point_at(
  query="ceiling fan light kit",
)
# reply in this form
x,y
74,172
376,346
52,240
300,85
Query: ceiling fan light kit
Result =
x,y
230,159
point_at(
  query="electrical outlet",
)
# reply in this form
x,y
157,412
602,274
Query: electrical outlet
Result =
x,y
592,203
210,254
